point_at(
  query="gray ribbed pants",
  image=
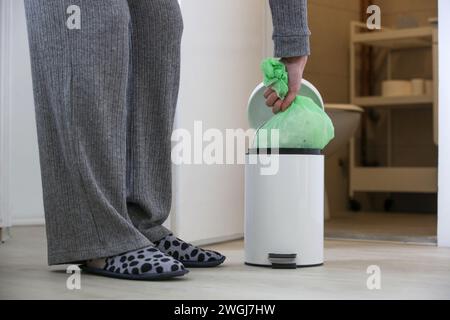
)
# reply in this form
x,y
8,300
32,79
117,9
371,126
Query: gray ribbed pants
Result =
x,y
105,100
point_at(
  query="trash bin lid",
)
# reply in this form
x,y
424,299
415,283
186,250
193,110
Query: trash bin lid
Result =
x,y
258,113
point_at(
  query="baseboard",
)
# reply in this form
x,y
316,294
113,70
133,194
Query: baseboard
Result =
x,y
28,222
209,241
4,234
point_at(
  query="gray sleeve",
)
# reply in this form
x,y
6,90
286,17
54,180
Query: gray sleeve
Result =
x,y
290,27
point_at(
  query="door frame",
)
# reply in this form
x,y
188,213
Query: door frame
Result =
x,y
443,234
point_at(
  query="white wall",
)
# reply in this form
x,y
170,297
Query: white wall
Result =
x,y
25,193
444,125
221,52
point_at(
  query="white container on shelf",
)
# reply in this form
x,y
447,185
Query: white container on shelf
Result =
x,y
396,88
429,87
418,87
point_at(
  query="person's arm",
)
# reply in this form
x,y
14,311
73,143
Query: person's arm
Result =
x,y
291,40
290,28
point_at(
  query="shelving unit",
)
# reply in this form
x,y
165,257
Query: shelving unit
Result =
x,y
392,179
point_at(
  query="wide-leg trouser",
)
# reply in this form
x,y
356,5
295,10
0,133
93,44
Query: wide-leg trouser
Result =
x,y
105,97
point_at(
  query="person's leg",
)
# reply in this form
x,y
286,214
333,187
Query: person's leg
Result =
x,y
80,82
155,63
155,69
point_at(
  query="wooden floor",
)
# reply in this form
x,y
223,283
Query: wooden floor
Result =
x,y
407,272
401,227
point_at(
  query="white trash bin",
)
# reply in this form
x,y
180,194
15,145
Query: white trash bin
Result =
x,y
284,212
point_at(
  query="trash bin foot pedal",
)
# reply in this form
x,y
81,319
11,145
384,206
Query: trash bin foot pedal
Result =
x,y
283,260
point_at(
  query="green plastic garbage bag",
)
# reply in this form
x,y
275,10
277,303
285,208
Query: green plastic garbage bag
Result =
x,y
303,125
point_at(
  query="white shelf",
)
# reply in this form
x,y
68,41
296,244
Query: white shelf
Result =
x,y
374,101
396,39
394,179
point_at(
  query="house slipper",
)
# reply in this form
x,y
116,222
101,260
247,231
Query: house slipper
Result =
x,y
144,264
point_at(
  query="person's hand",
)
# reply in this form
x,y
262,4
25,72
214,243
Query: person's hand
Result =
x,y
294,67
